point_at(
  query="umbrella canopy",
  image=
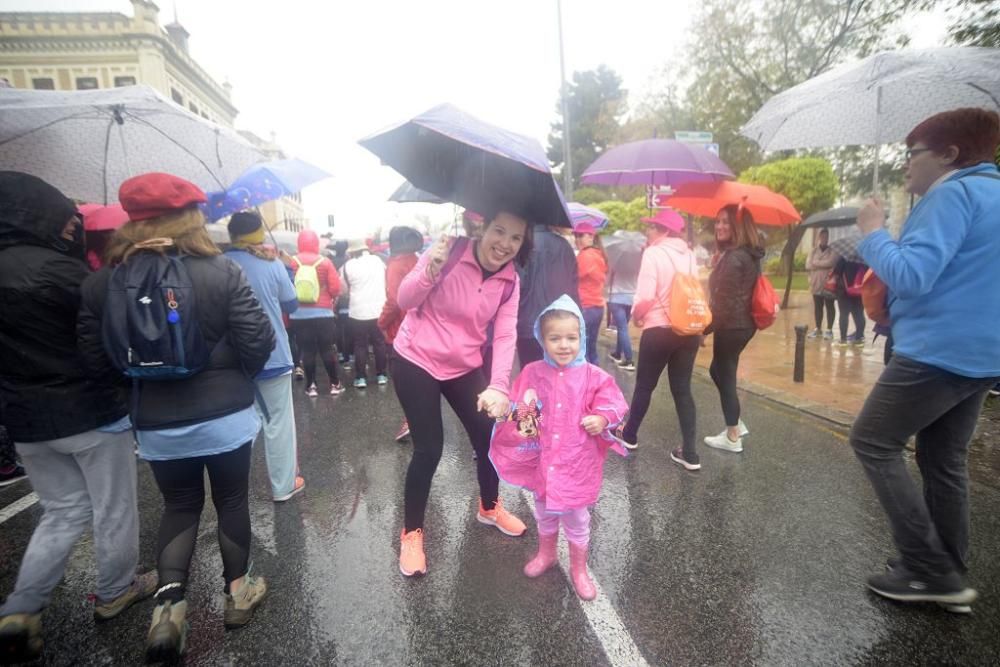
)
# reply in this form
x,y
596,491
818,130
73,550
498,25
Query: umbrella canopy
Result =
x,y
879,99
407,193
261,183
624,251
584,215
847,246
98,218
87,142
835,217
462,159
707,199
656,162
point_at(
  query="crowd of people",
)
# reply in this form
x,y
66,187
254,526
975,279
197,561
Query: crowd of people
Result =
x,y
188,353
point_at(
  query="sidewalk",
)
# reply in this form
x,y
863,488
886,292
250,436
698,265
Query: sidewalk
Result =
x,y
837,380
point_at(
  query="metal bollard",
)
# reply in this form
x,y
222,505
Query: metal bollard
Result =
x,y
799,374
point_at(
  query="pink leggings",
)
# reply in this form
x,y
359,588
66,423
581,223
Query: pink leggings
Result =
x,y
575,523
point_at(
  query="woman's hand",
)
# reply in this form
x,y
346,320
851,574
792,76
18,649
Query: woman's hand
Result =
x,y
439,255
594,424
494,403
871,217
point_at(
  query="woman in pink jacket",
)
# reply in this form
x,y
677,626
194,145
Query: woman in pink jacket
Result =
x,y
455,294
659,346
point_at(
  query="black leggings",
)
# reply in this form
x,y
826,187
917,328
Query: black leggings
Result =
x,y
851,306
420,395
365,332
315,336
819,303
726,349
182,484
660,347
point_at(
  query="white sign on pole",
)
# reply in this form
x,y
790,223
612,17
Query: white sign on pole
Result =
x,y
697,137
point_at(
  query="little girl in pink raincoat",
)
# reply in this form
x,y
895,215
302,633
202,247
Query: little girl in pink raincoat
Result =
x,y
557,437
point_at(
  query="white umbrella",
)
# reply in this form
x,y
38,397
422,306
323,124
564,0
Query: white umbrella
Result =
x,y
87,142
877,100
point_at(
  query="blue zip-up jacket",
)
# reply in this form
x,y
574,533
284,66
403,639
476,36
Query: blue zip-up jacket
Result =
x,y
944,275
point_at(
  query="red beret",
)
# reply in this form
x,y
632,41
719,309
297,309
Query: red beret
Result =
x,y
152,195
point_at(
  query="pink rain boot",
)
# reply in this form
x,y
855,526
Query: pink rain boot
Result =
x,y
578,572
545,557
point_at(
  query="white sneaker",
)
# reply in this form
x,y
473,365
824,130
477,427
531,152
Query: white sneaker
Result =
x,y
722,441
744,431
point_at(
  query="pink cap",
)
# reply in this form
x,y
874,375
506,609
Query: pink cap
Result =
x,y
667,218
584,228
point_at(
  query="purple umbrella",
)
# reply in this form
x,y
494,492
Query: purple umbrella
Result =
x,y
580,214
656,162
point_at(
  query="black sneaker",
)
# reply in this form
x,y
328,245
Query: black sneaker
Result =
x,y
677,456
627,366
619,435
612,357
905,586
11,475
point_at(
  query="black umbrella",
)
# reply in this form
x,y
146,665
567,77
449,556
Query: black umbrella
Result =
x,y
835,217
474,164
407,193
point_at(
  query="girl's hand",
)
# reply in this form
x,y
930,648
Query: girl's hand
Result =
x,y
439,255
494,403
594,424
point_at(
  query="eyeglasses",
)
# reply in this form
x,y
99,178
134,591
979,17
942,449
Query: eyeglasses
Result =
x,y
910,152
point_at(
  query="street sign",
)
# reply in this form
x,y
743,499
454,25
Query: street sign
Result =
x,y
656,196
694,137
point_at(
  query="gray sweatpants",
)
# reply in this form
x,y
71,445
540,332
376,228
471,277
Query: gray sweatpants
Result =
x,y
83,480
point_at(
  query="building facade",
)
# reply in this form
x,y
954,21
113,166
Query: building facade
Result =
x,y
84,50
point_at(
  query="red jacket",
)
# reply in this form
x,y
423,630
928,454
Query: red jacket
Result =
x,y
592,271
329,281
392,315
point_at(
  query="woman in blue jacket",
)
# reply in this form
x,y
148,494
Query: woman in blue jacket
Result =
x,y
943,275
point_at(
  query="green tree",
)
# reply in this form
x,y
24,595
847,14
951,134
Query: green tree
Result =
x,y
623,215
596,103
808,182
975,22
588,196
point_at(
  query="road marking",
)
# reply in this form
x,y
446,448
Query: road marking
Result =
x,y
17,507
601,615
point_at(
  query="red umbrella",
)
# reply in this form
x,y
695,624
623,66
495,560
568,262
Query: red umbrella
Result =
x,y
97,218
707,199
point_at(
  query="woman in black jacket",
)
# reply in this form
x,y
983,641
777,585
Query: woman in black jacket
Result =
x,y
205,421
731,285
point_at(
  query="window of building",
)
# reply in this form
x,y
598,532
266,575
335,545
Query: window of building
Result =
x,y
205,116
43,84
194,109
86,82
176,96
122,81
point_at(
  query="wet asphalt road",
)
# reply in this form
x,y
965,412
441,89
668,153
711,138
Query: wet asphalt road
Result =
x,y
759,559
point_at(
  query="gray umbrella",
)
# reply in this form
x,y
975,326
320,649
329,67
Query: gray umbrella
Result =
x,y
87,142
624,251
847,246
835,217
408,193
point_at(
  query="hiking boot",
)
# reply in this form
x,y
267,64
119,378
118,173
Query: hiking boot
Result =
x,y
411,553
904,586
546,556
582,582
361,383
20,638
723,442
692,463
382,379
300,483
619,435
142,587
813,334
627,366
13,474
167,638
337,389
241,603
311,391
505,522
404,431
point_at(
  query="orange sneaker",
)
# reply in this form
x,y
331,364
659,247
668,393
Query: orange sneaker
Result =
x,y
411,553
505,522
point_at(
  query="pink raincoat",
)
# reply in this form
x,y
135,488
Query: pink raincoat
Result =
x,y
562,463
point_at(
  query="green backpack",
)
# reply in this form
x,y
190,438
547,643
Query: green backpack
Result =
x,y
307,281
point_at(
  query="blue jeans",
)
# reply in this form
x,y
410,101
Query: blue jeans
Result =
x,y
621,314
592,318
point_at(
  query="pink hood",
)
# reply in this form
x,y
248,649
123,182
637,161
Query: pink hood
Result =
x,y
308,242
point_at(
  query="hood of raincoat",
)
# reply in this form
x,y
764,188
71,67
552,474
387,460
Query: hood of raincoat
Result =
x,y
308,241
32,212
564,303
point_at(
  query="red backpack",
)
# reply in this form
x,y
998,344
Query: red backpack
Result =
x,y
765,305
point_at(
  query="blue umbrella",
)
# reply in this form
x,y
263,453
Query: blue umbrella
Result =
x,y
263,182
580,214
474,164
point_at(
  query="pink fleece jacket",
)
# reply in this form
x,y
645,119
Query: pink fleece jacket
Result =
x,y
660,261
446,320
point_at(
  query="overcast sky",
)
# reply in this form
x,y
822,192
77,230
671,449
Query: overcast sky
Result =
x,y
322,75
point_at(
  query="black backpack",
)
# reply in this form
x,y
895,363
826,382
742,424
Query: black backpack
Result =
x,y
150,324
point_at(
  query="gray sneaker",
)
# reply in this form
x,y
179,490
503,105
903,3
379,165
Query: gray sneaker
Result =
x,y
142,587
167,638
240,604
